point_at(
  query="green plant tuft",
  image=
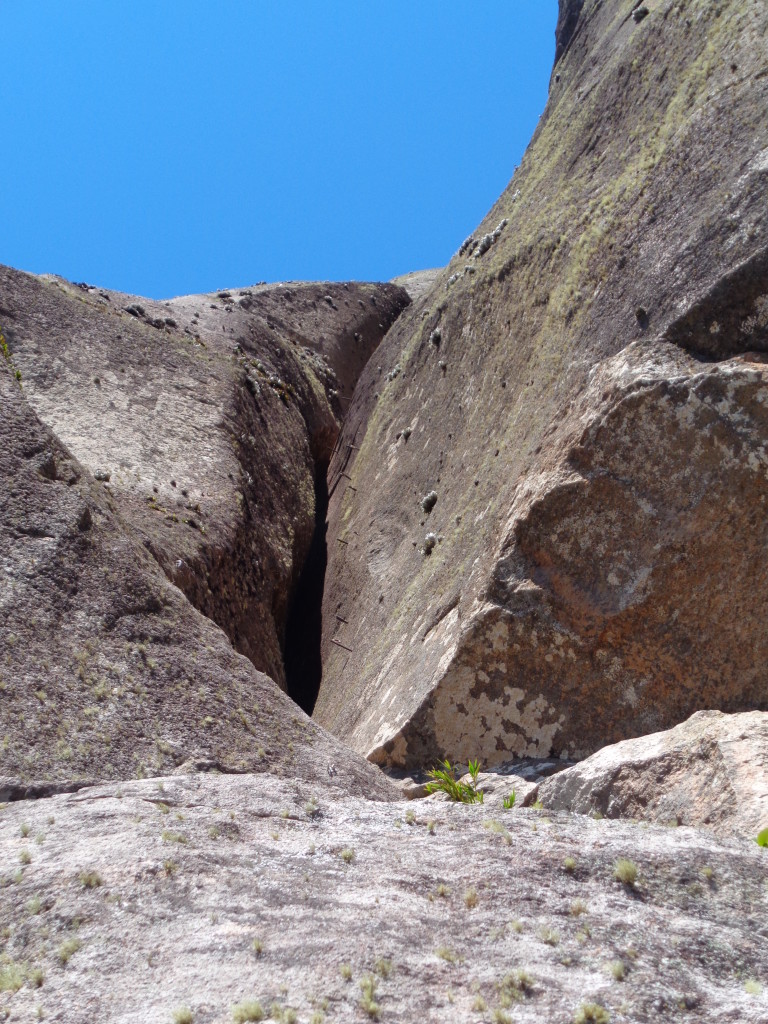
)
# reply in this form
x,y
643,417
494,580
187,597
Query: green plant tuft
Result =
x,y
90,879
625,871
248,1010
368,1002
444,781
591,1013
68,948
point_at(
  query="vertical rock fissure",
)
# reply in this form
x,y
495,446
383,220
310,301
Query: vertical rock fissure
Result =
x,y
303,630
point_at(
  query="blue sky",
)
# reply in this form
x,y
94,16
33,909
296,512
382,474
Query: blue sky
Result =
x,y
170,147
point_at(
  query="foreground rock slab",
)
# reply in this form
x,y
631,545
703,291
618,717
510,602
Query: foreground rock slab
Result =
x,y
711,770
127,903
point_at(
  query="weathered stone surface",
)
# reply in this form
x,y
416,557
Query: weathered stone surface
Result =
x,y
418,282
585,389
165,886
711,770
209,419
107,670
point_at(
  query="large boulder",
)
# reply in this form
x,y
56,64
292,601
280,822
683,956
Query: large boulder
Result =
x,y
548,514
108,670
711,770
209,418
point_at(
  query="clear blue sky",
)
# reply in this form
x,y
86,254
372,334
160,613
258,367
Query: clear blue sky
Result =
x,y
171,146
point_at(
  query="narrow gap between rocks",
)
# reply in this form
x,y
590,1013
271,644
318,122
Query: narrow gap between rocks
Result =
x,y
303,629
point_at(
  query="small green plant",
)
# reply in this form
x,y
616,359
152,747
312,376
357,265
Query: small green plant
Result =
x,y
11,978
347,855
36,977
68,948
25,857
537,805
25,830
248,1010
443,890
173,837
617,970
514,986
447,954
183,1015
479,1005
591,1013
762,838
496,826
509,801
470,898
346,972
502,1017
368,1004
444,781
569,865
257,946
91,879
752,987
410,818
6,352
625,871
283,1014
34,906
578,907
383,968
549,936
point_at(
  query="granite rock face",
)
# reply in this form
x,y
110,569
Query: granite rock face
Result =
x,y
210,419
711,770
108,670
207,892
548,506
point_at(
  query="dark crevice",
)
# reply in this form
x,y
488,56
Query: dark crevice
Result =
x,y
303,629
12,790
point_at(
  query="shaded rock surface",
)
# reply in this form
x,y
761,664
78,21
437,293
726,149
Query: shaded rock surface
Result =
x,y
209,418
107,670
711,770
161,887
585,390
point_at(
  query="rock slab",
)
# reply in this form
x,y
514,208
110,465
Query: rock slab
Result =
x,y
711,770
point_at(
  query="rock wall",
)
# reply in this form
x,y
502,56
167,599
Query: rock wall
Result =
x,y
208,418
144,468
547,516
